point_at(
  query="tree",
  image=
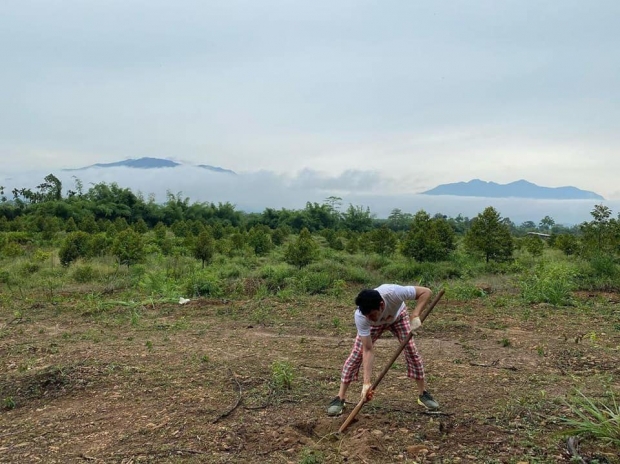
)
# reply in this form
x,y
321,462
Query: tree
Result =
x,y
384,241
204,248
601,234
546,224
128,247
489,236
357,218
259,239
74,246
429,239
302,251
534,245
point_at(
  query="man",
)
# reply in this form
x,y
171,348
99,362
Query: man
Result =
x,y
378,309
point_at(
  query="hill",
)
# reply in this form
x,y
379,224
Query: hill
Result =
x,y
518,189
149,163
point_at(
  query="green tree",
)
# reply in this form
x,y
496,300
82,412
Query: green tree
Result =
x,y
74,246
489,236
128,247
259,239
567,243
384,241
71,226
534,245
601,234
140,226
428,239
204,248
301,251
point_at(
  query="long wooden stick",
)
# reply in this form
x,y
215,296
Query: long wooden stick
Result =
x,y
387,367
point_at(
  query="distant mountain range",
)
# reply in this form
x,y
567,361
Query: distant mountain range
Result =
x,y
150,163
518,189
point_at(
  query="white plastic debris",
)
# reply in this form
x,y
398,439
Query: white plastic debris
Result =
x,y
182,300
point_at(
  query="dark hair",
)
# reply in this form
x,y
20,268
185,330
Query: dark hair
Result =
x,y
368,300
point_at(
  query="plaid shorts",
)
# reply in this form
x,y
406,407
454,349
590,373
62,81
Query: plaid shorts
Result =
x,y
400,328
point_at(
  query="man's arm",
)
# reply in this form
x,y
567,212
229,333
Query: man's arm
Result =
x,y
368,359
422,296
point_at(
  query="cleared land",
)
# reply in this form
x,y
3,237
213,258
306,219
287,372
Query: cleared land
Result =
x,y
99,378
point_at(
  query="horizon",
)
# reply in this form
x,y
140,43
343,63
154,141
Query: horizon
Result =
x,y
277,192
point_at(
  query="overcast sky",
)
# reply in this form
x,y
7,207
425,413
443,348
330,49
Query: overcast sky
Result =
x,y
405,94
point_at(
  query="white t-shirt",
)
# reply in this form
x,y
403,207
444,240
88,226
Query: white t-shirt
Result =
x,y
394,297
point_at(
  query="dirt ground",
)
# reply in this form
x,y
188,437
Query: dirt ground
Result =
x,y
148,382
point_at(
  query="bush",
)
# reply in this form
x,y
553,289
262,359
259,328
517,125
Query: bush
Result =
x,y
83,274
548,283
203,285
29,268
314,283
275,276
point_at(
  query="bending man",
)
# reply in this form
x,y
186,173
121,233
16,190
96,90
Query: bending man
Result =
x,y
378,309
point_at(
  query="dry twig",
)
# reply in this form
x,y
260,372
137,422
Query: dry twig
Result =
x,y
237,403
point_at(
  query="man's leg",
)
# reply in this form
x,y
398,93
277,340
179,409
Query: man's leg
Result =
x,y
415,367
350,371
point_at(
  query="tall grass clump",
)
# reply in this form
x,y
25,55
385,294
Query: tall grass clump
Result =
x,y
203,283
422,273
548,282
600,272
594,418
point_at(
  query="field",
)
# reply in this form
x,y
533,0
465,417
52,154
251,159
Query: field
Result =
x,y
105,376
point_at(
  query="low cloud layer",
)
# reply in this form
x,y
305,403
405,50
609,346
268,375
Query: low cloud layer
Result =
x,y
253,192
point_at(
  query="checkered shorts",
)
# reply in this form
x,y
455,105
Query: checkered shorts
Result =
x,y
400,328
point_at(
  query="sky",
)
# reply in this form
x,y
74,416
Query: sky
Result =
x,y
379,99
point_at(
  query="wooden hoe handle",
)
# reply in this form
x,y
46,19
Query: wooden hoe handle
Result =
x,y
387,367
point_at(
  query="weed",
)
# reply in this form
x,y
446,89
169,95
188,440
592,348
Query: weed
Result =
x,y
9,403
205,359
505,342
282,375
149,345
310,456
594,418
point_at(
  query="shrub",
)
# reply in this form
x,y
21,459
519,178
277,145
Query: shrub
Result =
x,y
548,283
29,268
83,274
203,285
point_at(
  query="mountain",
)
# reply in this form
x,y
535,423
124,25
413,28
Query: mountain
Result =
x,y
150,163
518,189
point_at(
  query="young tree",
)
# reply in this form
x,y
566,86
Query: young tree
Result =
x,y
302,251
429,239
384,241
204,248
259,239
74,246
128,247
489,236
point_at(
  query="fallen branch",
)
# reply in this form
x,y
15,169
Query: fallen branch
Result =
x,y
237,403
494,364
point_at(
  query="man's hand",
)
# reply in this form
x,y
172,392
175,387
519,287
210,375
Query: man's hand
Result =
x,y
367,393
416,323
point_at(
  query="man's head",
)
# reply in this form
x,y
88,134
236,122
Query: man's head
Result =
x,y
370,304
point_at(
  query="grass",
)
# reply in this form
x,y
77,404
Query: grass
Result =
x,y
591,418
